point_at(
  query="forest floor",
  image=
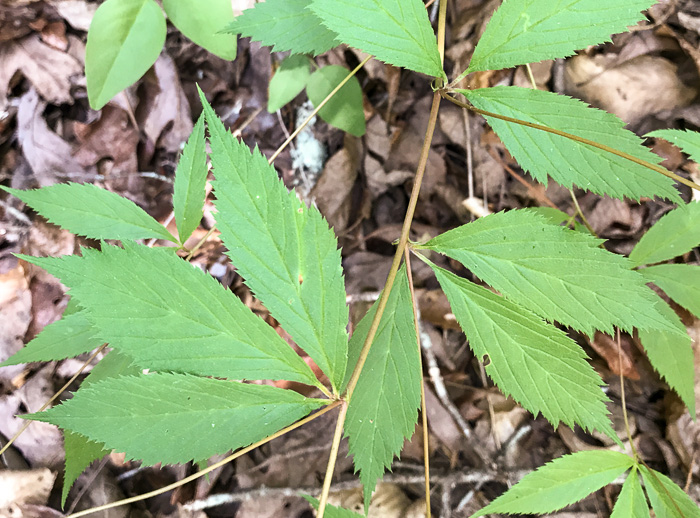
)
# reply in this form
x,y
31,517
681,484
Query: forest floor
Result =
x,y
649,77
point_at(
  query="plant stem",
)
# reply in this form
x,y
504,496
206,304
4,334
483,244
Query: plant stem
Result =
x,y
209,469
317,109
53,398
335,446
423,409
581,214
576,138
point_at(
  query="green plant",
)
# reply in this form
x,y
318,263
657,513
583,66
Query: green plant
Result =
x,y
132,296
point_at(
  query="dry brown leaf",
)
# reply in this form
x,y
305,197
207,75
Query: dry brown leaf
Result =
x,y
441,423
168,121
48,154
388,501
78,13
15,316
51,71
607,348
632,90
25,487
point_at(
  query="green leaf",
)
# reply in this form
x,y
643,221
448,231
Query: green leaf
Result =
x,y
671,354
285,25
92,212
344,109
681,282
688,141
536,363
203,24
559,274
397,32
562,482
169,315
527,31
283,249
176,418
569,162
631,503
383,409
676,233
81,451
331,510
667,499
289,80
66,338
190,182
124,40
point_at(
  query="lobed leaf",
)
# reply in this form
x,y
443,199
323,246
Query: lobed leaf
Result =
x,y
671,354
74,334
383,409
397,32
562,482
557,273
283,249
289,80
285,25
676,233
527,31
332,511
124,40
169,315
343,110
681,282
89,211
81,451
631,502
203,25
667,499
176,418
534,362
190,182
688,141
567,161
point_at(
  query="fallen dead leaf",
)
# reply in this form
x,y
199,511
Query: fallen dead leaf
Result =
x,y
48,154
388,501
618,363
78,13
632,90
15,316
51,71
25,487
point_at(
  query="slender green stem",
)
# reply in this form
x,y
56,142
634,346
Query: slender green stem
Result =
x,y
335,446
423,409
623,401
209,469
53,398
317,109
592,143
581,214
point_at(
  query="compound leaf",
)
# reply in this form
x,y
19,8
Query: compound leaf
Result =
x,y
671,354
283,249
332,511
190,181
527,31
397,32
667,499
567,161
688,141
681,282
66,338
81,451
631,502
536,363
383,409
89,211
676,233
176,418
124,40
344,109
285,25
289,80
169,315
559,274
562,482
203,26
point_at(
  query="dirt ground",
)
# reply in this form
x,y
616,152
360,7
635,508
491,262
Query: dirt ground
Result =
x,y
649,77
